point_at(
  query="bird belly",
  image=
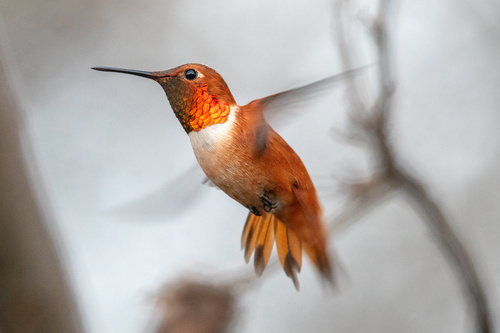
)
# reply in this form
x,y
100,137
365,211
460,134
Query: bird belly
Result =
x,y
234,175
227,162
227,154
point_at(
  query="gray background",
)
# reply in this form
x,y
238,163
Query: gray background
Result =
x,y
103,141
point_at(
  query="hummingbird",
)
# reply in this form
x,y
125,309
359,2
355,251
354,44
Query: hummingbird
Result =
x,y
245,157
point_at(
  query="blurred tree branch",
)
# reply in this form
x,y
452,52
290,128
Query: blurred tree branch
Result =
x,y
191,306
34,293
373,125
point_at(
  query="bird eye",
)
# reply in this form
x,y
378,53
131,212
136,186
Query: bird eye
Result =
x,y
190,74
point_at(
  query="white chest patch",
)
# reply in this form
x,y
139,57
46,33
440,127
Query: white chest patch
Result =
x,y
206,139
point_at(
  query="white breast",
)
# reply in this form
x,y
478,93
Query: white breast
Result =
x,y
206,139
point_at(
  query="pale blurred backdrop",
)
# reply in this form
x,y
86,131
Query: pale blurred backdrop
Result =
x,y
107,145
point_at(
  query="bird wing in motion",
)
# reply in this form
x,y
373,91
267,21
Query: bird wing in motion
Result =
x,y
282,105
279,108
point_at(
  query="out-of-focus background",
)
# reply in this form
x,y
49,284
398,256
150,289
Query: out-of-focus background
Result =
x,y
106,153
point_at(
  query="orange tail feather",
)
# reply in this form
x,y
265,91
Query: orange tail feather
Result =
x,y
259,235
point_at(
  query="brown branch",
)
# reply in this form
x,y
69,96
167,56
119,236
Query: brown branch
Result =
x,y
451,247
191,306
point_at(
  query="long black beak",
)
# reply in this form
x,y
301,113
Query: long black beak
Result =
x,y
149,75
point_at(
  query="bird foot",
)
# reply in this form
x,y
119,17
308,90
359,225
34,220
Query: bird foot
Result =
x,y
253,210
267,203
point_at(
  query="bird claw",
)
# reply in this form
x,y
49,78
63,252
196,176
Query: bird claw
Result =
x,y
254,210
267,203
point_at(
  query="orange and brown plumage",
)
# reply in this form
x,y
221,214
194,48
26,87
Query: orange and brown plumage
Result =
x,y
242,155
206,110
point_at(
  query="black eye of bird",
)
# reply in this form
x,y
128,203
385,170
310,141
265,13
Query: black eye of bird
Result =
x,y
190,74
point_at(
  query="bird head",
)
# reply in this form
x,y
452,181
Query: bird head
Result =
x,y
198,95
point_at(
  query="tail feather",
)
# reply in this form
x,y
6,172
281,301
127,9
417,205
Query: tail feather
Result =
x,y
259,235
289,249
315,244
264,245
252,230
322,263
247,229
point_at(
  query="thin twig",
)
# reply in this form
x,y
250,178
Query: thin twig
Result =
x,y
359,205
452,248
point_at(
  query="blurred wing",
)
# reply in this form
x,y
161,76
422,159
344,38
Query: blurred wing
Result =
x,y
282,106
170,199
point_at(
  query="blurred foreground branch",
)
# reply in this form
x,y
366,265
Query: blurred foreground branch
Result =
x,y
191,306
34,293
372,126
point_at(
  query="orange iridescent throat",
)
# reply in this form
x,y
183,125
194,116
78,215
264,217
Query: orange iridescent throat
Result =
x,y
206,110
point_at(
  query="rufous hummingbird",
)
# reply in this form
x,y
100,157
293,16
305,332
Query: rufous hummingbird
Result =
x,y
242,155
